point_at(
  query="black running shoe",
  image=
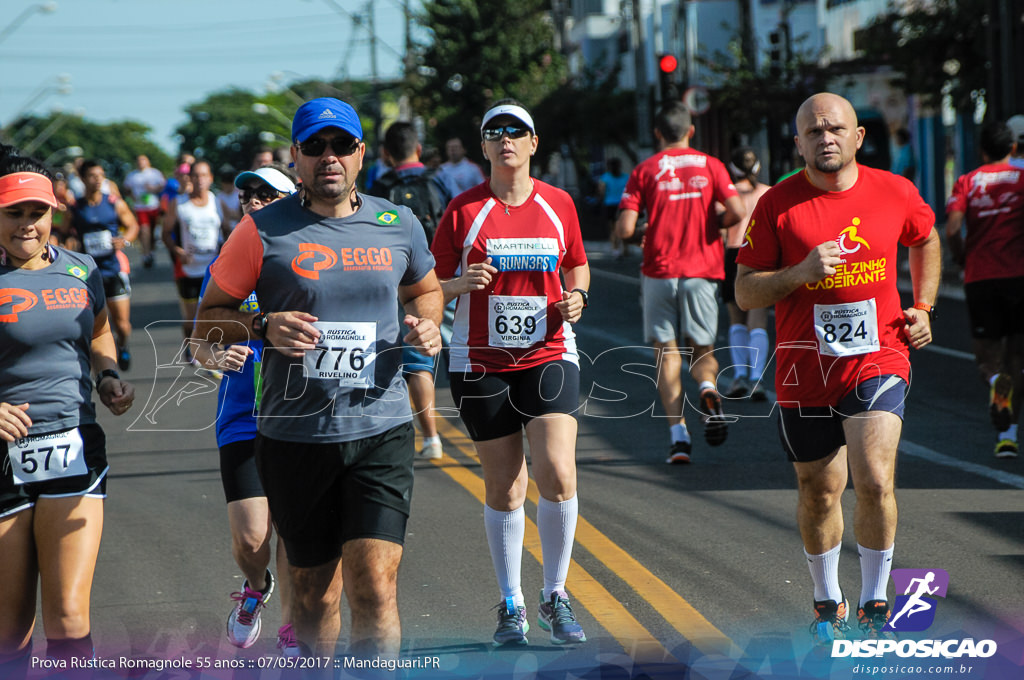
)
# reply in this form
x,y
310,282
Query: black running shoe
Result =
x,y
124,359
716,427
679,453
829,622
872,618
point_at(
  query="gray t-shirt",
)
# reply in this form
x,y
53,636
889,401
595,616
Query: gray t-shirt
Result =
x,y
346,272
46,324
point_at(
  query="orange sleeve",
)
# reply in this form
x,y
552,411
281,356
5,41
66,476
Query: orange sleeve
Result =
x,y
238,267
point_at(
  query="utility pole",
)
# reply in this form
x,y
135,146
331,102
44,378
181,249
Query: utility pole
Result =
x,y
643,90
374,77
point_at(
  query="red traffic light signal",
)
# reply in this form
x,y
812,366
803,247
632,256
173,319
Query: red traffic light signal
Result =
x,y
667,63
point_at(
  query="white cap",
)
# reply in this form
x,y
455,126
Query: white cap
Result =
x,y
517,112
271,176
1016,125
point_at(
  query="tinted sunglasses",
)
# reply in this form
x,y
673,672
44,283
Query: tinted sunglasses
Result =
x,y
264,193
341,146
494,134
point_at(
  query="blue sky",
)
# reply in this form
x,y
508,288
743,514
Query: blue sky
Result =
x,y
147,59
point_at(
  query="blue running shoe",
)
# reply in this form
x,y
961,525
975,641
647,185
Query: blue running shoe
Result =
x,y
556,616
512,624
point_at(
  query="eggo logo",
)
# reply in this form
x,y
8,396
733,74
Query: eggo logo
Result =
x,y
312,269
19,299
361,257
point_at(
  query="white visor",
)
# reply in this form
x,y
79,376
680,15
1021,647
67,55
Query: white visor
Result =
x,y
272,176
517,112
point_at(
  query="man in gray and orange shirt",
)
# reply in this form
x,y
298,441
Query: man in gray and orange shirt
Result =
x,y
335,442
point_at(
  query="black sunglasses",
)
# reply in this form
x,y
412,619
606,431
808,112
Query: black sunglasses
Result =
x,y
264,193
494,134
341,146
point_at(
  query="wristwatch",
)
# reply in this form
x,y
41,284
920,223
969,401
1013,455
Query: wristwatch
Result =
x,y
106,373
259,325
583,294
925,307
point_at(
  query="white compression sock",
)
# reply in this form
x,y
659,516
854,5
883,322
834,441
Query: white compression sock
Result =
x,y
505,534
556,524
739,350
824,570
759,353
875,566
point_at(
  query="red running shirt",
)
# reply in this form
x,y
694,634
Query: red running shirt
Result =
x,y
992,200
513,324
678,189
834,334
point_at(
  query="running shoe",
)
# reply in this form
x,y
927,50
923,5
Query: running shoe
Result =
x,y
512,624
555,615
212,373
999,399
872,618
124,358
287,642
432,451
244,621
739,388
716,428
758,393
1006,448
147,261
679,453
830,622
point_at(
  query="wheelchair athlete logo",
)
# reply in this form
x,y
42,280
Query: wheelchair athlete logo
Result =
x,y
914,610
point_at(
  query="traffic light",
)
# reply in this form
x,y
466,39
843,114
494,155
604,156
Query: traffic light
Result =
x,y
668,67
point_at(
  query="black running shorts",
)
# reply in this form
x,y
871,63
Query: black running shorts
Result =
x,y
189,287
812,433
324,495
494,405
15,496
117,286
728,288
238,471
995,307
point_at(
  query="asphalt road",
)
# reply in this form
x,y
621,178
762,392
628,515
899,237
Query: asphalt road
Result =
x,y
679,571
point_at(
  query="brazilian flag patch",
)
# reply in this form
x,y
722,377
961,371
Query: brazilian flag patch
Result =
x,y
78,271
389,217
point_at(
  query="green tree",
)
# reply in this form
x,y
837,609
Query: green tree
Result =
x,y
746,97
482,51
228,126
54,137
936,48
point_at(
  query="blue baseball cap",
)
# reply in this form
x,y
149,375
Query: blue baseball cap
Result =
x,y
323,112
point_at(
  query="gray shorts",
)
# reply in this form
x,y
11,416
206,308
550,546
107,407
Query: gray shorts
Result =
x,y
676,309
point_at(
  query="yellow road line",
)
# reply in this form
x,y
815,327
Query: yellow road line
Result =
x,y
594,597
679,613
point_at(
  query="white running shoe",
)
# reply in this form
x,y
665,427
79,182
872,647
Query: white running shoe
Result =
x,y
432,451
286,641
244,621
